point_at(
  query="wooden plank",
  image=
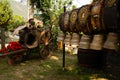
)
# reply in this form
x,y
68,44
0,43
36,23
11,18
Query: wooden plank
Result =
x,y
14,52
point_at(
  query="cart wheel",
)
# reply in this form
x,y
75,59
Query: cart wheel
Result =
x,y
11,61
44,52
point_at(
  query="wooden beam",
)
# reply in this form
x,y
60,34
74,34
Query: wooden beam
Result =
x,y
14,52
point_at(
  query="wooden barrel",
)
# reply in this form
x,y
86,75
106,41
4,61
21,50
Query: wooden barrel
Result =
x,y
96,16
63,21
84,20
73,20
112,41
85,42
75,40
67,39
111,16
60,37
91,58
97,42
113,55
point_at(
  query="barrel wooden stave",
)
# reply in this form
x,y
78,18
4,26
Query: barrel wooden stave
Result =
x,y
60,37
75,39
112,41
85,41
97,42
64,21
84,19
67,39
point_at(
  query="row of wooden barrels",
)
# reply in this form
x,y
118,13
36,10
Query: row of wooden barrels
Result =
x,y
92,50
101,16
94,42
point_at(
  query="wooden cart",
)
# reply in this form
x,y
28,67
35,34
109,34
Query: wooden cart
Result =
x,y
42,40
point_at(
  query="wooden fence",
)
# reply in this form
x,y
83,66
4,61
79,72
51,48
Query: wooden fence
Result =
x,y
2,37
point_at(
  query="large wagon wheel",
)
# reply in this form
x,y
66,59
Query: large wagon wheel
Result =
x,y
44,51
44,42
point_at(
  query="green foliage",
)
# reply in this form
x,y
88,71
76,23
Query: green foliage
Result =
x,y
51,9
15,22
54,37
32,1
5,13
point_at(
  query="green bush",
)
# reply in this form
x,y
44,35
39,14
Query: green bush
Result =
x,y
5,13
15,22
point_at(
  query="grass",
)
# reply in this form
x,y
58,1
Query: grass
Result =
x,y
51,69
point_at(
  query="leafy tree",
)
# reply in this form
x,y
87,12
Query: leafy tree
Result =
x,y
5,13
50,9
15,22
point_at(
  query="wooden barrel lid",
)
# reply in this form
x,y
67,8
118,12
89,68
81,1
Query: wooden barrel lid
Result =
x,y
66,21
73,19
61,21
96,16
84,18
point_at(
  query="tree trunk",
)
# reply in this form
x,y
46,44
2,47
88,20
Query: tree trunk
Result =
x,y
30,10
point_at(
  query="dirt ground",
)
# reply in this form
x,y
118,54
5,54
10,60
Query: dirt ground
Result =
x,y
51,69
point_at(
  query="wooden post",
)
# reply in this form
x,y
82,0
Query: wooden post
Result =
x,y
2,34
63,56
63,42
64,47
